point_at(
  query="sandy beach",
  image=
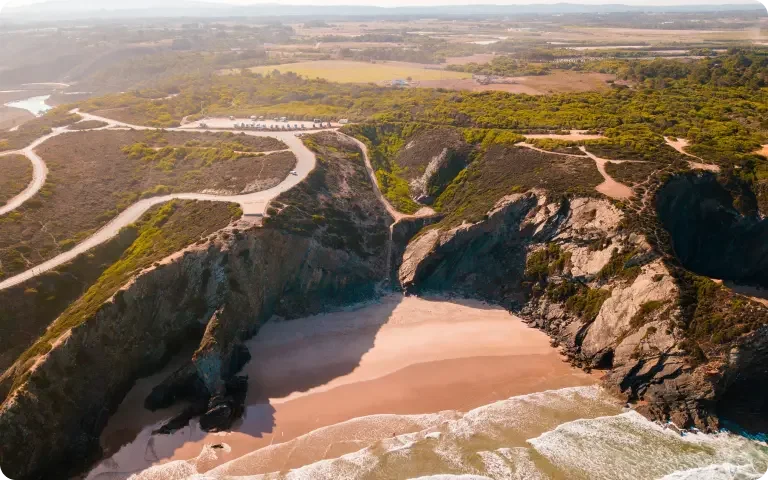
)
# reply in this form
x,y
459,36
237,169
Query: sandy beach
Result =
x,y
403,355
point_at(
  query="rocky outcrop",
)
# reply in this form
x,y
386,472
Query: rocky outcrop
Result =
x,y
603,294
484,259
217,293
431,160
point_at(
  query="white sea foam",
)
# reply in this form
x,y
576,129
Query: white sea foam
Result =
x,y
628,446
579,432
723,471
452,477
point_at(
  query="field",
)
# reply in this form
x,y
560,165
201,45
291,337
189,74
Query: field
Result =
x,y
17,173
359,72
557,82
95,175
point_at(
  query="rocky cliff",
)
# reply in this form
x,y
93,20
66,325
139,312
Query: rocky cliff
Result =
x,y
574,269
322,247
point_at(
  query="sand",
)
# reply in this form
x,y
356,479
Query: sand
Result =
x,y
680,144
404,355
574,135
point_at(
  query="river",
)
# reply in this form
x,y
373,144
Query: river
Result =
x,y
34,105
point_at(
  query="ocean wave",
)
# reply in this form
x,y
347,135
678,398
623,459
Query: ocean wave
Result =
x,y
723,471
628,446
575,433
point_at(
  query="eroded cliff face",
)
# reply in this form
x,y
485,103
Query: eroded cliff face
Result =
x,y
603,294
217,293
709,235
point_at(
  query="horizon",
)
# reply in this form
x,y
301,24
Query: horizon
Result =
x,y
414,3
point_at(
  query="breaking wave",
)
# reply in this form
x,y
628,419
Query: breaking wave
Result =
x,y
574,433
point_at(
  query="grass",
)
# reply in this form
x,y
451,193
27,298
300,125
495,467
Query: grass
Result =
x,y
504,170
161,232
87,124
345,71
618,266
33,129
96,175
17,173
631,173
401,153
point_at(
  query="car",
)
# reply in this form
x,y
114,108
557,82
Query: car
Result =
x,y
294,172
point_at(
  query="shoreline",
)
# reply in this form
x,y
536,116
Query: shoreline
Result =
x,y
400,356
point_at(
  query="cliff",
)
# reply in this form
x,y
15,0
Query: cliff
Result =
x,y
321,248
611,301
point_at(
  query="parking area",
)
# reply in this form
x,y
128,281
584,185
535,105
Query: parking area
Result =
x,y
260,123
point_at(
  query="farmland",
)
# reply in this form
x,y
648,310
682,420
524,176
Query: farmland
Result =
x,y
356,72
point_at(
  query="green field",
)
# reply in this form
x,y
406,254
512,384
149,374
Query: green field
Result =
x,y
359,72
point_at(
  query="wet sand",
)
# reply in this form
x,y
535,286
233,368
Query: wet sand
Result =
x,y
404,355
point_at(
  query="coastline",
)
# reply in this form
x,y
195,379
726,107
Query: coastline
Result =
x,y
401,356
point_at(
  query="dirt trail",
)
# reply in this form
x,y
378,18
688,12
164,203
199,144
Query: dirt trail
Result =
x,y
680,145
609,187
39,169
574,135
252,204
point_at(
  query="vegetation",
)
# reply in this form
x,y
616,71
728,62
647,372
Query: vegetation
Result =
x,y
550,260
161,232
504,170
587,302
17,173
645,312
87,125
34,129
623,265
96,175
631,173
714,317
336,204
503,66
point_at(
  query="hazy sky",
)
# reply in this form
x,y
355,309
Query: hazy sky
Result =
x,y
386,3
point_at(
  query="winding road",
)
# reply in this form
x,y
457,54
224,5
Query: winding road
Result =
x,y
252,204
39,172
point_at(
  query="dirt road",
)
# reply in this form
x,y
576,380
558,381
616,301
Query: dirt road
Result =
x,y
252,203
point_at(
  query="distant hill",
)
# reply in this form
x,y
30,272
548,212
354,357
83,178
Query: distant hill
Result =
x,y
80,9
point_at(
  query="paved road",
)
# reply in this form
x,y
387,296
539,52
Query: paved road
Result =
x,y
252,203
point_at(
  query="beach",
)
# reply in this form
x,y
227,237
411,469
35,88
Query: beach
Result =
x,y
401,356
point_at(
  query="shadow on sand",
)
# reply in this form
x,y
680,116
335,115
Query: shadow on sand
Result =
x,y
288,357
